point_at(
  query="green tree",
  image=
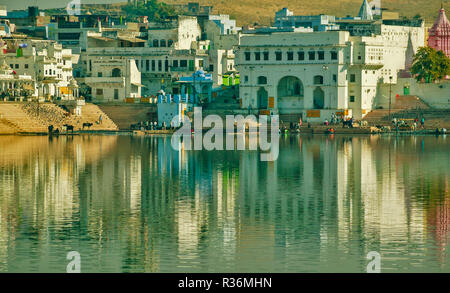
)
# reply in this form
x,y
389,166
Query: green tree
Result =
x,y
430,65
152,8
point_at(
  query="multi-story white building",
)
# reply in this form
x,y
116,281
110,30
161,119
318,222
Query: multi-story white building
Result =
x,y
113,79
167,52
224,36
321,73
49,65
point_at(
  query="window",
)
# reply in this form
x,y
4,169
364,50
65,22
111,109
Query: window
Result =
x,y
247,56
116,94
175,63
183,63
155,43
334,55
301,55
352,78
162,43
246,78
266,56
334,77
99,92
116,72
321,55
17,66
352,99
312,55
257,56
262,80
318,79
211,67
290,56
359,57
278,56
169,43
153,65
147,65
99,74
159,65
166,65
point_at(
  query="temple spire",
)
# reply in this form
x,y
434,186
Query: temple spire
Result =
x,y
365,12
439,33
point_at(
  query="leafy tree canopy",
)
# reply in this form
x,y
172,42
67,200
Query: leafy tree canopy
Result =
x,y
152,8
430,65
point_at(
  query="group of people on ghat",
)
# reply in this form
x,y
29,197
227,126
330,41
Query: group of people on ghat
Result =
x,y
145,125
398,123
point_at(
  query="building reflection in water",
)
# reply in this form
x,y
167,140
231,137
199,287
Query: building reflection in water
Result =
x,y
135,204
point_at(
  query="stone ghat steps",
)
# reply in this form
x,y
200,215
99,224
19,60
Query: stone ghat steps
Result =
x,y
27,117
19,120
125,115
51,114
91,114
46,114
409,102
6,127
433,117
380,115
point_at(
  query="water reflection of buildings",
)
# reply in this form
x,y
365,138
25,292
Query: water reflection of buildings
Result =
x,y
136,204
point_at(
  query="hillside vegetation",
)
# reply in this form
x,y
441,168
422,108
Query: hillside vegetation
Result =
x,y
263,11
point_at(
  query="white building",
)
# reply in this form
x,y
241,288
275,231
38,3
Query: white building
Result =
x,y
224,37
321,73
14,86
45,61
113,79
168,51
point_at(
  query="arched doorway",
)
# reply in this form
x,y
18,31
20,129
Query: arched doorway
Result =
x,y
319,98
262,98
290,86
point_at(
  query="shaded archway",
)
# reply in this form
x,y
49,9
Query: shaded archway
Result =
x,y
290,86
319,98
262,97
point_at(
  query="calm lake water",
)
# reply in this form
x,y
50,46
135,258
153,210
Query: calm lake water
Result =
x,y
133,204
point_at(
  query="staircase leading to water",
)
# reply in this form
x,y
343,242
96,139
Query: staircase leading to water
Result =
x,y
30,117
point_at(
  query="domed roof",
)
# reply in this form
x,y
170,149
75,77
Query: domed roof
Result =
x,y
73,83
200,72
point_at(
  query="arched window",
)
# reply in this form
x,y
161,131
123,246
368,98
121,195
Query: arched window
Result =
x,y
116,72
169,43
162,43
262,80
290,86
318,79
155,43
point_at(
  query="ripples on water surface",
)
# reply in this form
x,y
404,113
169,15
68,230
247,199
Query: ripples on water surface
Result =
x,y
133,204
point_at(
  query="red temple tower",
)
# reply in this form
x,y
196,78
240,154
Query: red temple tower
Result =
x,y
439,34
